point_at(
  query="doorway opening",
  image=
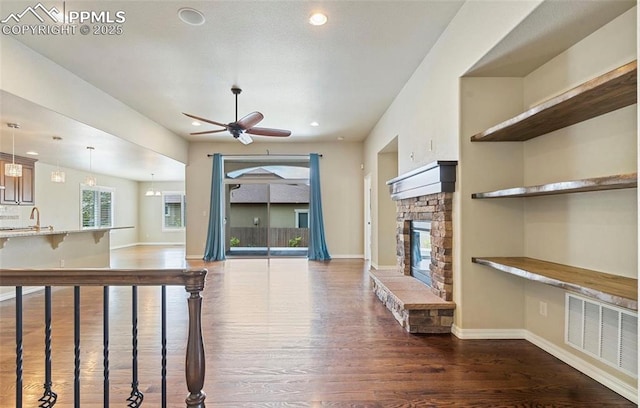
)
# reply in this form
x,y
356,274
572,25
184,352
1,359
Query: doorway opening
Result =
x,y
267,209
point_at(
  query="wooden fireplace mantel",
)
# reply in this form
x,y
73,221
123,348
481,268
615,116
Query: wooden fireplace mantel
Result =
x,y
435,177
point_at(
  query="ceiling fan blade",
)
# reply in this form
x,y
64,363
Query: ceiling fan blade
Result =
x,y
269,132
208,132
250,120
205,120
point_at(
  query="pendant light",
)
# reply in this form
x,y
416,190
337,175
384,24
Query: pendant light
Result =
x,y
12,169
58,176
90,180
152,191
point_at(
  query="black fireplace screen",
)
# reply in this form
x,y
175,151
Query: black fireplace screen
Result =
x,y
421,250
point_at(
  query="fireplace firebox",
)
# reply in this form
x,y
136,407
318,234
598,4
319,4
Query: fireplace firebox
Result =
x,y
421,251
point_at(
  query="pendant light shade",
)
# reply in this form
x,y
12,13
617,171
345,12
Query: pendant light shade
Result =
x,y
90,180
12,169
151,192
58,176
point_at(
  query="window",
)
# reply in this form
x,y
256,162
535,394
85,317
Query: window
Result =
x,y
173,210
97,207
302,218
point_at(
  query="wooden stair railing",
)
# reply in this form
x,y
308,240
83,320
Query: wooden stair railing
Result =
x,y
192,280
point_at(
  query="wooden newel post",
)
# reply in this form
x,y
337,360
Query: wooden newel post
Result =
x,y
195,363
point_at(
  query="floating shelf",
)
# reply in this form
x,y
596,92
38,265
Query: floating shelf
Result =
x,y
618,290
616,182
608,92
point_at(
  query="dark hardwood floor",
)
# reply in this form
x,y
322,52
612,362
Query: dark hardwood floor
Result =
x,y
285,333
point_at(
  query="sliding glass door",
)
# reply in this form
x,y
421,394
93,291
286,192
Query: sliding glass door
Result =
x,y
266,214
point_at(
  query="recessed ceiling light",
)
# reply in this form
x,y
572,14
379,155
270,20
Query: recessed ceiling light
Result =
x,y
32,153
191,16
340,138
314,124
317,19
195,123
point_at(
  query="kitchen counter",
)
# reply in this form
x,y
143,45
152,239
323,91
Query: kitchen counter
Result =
x,y
28,232
64,248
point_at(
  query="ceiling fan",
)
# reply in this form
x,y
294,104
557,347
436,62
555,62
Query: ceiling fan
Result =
x,y
240,129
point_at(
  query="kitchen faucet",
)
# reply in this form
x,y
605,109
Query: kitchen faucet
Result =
x,y
37,211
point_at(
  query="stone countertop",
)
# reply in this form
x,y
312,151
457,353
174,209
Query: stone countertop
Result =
x,y
25,232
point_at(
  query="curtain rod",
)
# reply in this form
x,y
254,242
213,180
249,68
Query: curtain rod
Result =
x,y
262,155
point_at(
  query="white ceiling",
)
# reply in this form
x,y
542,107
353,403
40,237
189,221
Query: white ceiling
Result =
x,y
343,75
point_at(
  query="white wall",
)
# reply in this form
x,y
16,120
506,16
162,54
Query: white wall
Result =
x,y
341,183
59,203
37,79
151,214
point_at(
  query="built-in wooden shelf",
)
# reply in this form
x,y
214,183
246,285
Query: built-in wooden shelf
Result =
x,y
616,182
608,92
618,290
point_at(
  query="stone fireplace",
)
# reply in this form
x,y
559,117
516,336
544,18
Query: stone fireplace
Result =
x,y
422,300
437,209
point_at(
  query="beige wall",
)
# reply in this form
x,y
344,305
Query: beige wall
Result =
x,y
592,230
341,178
386,231
426,112
151,214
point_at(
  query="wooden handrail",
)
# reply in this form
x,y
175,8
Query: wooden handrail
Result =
x,y
102,277
192,279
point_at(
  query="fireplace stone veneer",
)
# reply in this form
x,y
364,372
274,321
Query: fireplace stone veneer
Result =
x,y
436,208
425,194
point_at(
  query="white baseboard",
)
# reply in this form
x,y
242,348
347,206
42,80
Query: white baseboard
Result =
x,y
574,361
347,256
25,291
383,267
148,244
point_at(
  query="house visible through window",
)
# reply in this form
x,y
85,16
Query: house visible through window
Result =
x,y
302,218
173,204
97,207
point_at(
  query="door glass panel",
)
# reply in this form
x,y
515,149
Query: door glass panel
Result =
x,y
288,219
247,220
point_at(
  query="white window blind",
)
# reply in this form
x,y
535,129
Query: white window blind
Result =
x,y
173,212
96,205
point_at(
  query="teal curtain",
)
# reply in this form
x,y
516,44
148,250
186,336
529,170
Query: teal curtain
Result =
x,y
214,248
317,244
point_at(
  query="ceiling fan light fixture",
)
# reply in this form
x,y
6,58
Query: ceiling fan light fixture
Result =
x,y
191,16
195,123
245,139
318,19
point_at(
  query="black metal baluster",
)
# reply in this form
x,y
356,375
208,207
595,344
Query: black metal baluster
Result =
x,y
136,397
105,345
76,349
49,397
164,346
18,346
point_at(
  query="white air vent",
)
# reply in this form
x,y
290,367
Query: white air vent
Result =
x,y
607,333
